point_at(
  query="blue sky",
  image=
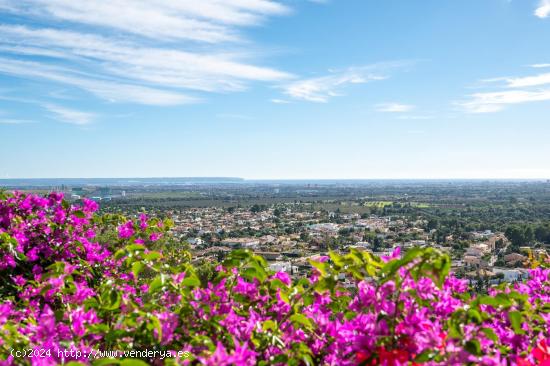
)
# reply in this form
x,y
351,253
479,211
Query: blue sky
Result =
x,y
272,89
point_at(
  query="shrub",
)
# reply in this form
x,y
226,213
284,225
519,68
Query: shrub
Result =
x,y
76,281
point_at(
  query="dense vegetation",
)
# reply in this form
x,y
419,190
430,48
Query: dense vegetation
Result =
x,y
453,208
75,280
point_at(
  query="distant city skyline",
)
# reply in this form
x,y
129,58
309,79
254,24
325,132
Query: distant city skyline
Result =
x,y
275,89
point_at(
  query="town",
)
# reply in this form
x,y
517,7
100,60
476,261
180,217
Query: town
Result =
x,y
490,230
290,235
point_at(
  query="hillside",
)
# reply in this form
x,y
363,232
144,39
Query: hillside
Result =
x,y
95,289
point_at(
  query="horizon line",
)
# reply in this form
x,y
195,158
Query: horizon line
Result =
x,y
277,179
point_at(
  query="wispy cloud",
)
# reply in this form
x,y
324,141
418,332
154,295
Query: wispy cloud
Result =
x,y
6,5
202,21
321,89
279,101
497,101
70,115
540,66
161,66
8,121
543,9
394,107
521,82
162,50
508,91
107,89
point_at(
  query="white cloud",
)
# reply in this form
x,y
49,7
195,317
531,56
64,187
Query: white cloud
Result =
x,y
496,101
70,115
106,89
157,50
511,90
279,101
540,66
7,6
394,107
528,81
202,21
321,89
15,121
543,9
161,66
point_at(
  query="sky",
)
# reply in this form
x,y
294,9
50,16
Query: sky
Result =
x,y
275,89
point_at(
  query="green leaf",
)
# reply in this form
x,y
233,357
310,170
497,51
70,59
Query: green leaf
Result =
x,y
156,284
79,214
106,361
269,325
135,247
327,283
393,266
276,283
336,259
516,318
280,359
299,319
424,356
516,296
498,300
151,256
240,254
490,334
284,297
255,271
191,282
120,253
155,324
111,299
473,347
133,362
454,329
137,267
323,267
474,315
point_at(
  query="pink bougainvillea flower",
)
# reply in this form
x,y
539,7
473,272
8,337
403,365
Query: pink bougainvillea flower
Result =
x,y
155,236
542,353
126,230
66,287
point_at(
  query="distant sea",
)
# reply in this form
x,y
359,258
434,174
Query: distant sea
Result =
x,y
55,182
183,181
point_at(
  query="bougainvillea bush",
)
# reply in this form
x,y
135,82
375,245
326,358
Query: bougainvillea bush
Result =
x,y
75,280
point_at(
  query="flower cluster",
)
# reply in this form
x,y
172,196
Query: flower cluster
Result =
x,y
72,279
